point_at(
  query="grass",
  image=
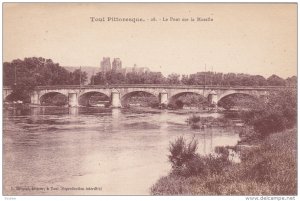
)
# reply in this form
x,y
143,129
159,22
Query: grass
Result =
x,y
268,169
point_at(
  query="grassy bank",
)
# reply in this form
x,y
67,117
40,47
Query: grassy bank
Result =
x,y
268,169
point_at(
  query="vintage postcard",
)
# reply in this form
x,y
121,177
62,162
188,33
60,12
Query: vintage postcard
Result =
x,y
150,99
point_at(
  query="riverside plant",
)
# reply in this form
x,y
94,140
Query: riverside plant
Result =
x,y
270,169
185,161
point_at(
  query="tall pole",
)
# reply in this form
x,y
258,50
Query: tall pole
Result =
x,y
212,74
80,78
15,75
204,76
93,82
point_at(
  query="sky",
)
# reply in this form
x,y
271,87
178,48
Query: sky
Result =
x,y
242,38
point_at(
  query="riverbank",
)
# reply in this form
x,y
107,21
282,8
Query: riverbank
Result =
x,y
269,168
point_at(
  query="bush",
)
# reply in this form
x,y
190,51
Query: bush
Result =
x,y
195,166
270,169
186,162
274,122
279,113
182,152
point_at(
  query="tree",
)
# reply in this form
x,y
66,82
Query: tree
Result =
x,y
173,79
99,78
275,80
77,77
24,75
291,81
185,79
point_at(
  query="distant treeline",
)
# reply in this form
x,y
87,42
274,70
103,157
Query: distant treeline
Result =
x,y
35,71
200,78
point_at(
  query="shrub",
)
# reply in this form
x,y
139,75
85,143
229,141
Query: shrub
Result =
x,y
196,166
181,152
186,162
271,123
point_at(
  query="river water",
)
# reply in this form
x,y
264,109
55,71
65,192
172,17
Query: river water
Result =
x,y
93,151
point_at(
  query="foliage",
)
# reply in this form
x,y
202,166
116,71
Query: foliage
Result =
x,y
24,75
233,79
113,77
173,79
270,169
277,114
181,152
275,80
186,162
200,78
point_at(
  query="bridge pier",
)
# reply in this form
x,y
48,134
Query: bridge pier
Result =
x,y
163,98
73,99
115,99
34,98
213,98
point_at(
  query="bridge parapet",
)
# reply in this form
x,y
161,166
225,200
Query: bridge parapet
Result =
x,y
163,87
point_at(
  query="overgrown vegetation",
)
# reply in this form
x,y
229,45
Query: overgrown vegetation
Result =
x,y
186,162
268,166
265,170
278,113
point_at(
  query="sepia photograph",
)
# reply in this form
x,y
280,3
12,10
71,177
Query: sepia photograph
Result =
x,y
151,99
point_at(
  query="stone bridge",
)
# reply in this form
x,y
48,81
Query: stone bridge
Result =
x,y
164,93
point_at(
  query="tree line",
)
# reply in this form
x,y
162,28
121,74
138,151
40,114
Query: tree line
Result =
x,y
200,78
24,75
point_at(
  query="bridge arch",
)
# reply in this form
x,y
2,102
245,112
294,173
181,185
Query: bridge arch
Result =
x,y
91,98
6,92
178,94
187,98
13,97
44,92
232,93
146,97
53,98
242,101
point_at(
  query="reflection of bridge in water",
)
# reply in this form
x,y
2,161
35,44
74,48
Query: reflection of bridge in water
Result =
x,y
164,93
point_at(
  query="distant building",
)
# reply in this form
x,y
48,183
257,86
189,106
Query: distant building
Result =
x,y
105,64
117,65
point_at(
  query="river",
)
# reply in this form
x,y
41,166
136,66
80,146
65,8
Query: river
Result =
x,y
94,151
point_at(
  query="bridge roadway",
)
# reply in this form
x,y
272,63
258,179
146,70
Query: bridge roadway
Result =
x,y
164,93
